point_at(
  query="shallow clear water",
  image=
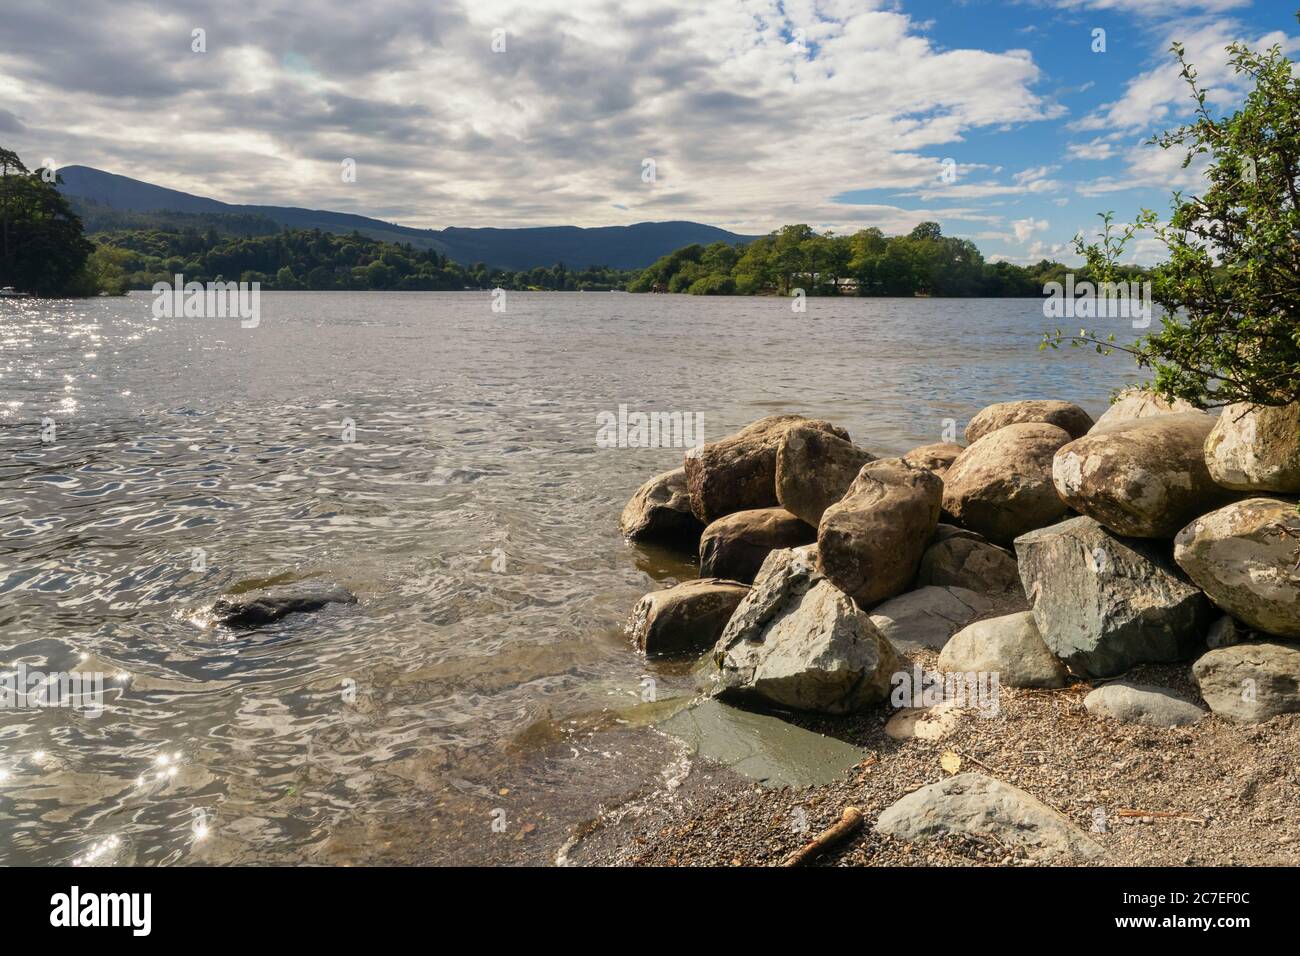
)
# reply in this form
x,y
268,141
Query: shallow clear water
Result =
x,y
473,515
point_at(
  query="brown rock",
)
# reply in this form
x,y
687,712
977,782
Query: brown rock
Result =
x,y
813,470
937,457
734,547
1001,486
870,543
739,472
1139,403
971,563
661,511
687,618
1144,478
1064,415
1256,448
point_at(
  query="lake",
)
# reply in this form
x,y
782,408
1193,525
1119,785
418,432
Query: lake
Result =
x,y
476,705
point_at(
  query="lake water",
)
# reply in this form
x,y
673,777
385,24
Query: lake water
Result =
x,y
473,706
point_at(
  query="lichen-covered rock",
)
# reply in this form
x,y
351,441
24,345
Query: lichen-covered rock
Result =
x,y
1243,556
1139,403
1001,486
735,547
267,605
738,472
1009,646
1144,478
968,562
687,618
1256,448
938,457
1250,682
927,617
797,641
1143,704
814,468
1065,415
975,805
661,511
870,543
1105,603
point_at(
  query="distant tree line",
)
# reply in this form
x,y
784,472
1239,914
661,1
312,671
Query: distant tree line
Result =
x,y
866,263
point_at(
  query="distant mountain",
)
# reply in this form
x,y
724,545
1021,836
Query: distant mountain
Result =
x,y
620,247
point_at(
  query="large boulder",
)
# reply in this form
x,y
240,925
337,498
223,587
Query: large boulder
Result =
x,y
687,618
870,542
1256,448
813,470
1105,603
797,641
1139,403
1009,646
1143,704
1001,486
1065,415
1250,682
734,547
739,471
1243,559
661,511
263,606
972,804
1144,478
968,561
927,617
938,457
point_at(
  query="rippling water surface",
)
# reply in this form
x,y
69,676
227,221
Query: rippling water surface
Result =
x,y
473,707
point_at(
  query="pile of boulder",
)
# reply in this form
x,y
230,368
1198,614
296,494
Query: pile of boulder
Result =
x,y
1159,533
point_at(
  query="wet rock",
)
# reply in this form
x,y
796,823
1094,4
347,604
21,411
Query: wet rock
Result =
x,y
1144,478
1009,646
975,805
813,470
1142,704
870,542
1225,632
937,457
1256,449
1250,682
1001,486
968,562
661,511
1105,603
927,617
796,641
735,547
687,618
1065,415
268,605
1133,403
1239,556
738,472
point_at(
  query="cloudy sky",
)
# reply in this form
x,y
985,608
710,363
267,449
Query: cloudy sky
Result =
x,y
841,114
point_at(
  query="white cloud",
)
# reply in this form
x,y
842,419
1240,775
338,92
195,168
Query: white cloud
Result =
x,y
1025,228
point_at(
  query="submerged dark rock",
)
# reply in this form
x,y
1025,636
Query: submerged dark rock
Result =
x,y
268,605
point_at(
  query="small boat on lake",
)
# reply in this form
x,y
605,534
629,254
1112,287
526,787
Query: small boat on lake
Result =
x,y
8,293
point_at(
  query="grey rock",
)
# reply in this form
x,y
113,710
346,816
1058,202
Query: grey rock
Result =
x,y
796,641
1256,449
1142,704
268,605
686,618
661,511
1134,403
735,547
1250,682
1225,632
976,805
814,468
927,617
1105,603
968,562
1240,557
1009,646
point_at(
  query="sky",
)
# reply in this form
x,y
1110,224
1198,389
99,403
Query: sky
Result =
x,y
1009,122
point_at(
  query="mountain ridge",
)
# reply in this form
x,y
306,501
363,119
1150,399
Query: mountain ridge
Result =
x,y
633,246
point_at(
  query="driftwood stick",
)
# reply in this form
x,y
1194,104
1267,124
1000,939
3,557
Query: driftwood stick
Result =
x,y
849,823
